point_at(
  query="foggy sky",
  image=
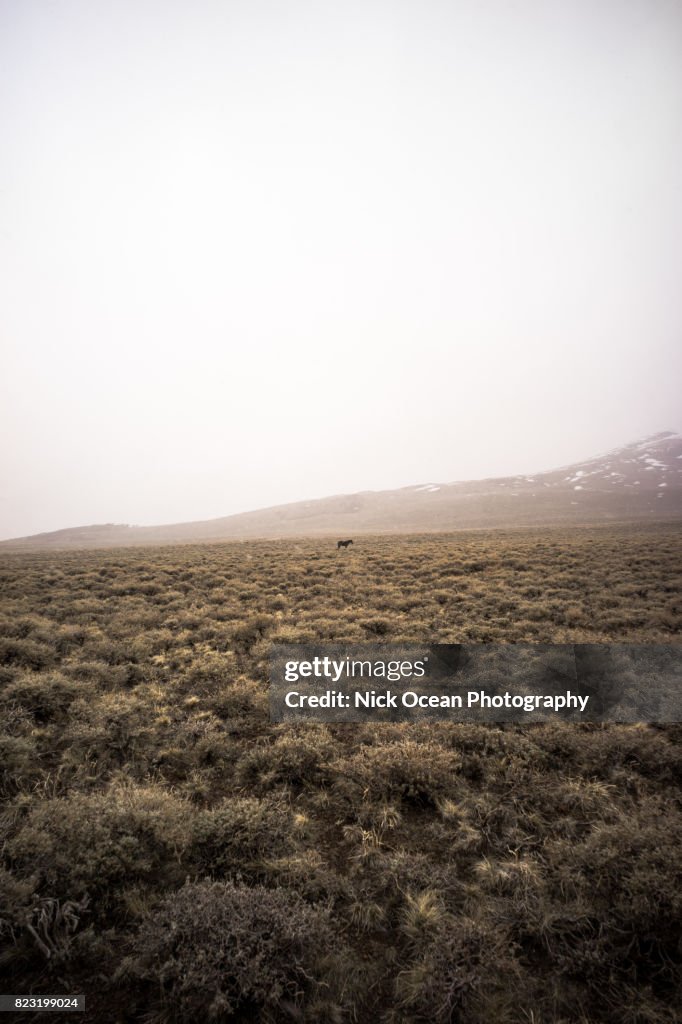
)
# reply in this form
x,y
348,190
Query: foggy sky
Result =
x,y
254,252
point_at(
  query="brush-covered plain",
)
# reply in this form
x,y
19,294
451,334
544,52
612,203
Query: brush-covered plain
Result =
x,y
177,857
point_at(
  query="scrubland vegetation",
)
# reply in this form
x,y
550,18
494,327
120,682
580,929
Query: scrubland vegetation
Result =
x,y
173,855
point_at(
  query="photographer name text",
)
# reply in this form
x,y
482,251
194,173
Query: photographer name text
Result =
x,y
378,699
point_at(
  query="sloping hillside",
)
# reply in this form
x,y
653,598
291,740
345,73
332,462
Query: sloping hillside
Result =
x,y
642,480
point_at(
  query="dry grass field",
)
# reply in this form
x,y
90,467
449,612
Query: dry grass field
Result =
x,y
178,858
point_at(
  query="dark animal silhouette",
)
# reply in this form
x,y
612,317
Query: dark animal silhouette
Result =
x,y
343,544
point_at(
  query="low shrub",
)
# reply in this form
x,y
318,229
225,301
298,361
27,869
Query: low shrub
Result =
x,y
45,695
93,843
461,961
295,759
217,951
240,831
26,653
417,773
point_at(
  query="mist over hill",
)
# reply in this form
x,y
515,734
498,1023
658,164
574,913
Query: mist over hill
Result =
x,y
639,481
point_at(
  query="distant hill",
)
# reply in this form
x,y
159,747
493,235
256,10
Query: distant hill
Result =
x,y
638,481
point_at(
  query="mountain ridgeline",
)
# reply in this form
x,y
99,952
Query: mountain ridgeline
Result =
x,y
640,481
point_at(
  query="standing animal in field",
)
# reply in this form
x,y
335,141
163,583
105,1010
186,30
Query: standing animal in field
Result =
x,y
343,544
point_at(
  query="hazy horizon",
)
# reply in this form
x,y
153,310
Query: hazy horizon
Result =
x,y
314,497
256,253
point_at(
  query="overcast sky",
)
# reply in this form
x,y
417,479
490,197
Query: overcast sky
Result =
x,y
254,252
